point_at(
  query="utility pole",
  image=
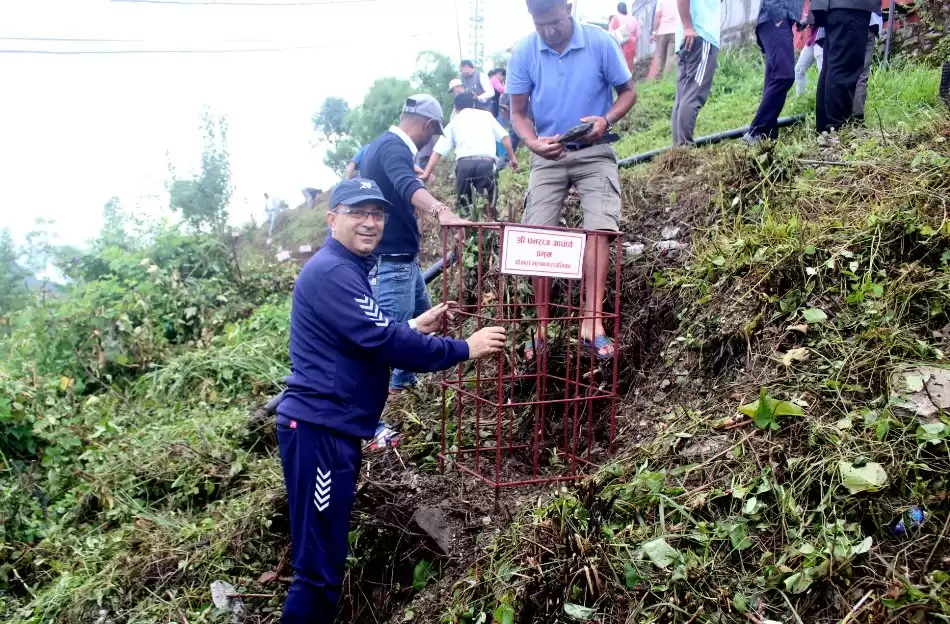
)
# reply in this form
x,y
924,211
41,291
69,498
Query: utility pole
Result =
x,y
477,33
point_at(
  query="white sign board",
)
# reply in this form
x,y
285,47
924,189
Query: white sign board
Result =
x,y
283,256
531,251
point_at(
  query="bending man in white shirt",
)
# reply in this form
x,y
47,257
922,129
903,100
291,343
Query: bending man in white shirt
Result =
x,y
472,134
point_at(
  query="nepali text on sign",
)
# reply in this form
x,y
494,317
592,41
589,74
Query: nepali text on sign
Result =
x,y
546,253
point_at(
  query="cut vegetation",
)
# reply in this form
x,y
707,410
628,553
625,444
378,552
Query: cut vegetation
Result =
x,y
783,437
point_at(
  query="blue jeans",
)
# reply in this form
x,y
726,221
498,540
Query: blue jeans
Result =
x,y
401,293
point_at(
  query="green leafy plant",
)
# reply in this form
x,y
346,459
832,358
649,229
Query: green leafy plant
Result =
x,y
766,412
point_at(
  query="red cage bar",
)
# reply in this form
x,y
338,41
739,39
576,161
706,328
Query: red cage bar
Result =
x,y
508,420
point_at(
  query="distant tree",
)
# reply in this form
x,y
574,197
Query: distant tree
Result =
x,y
380,109
499,60
331,120
114,232
341,153
434,71
13,291
346,130
203,199
41,249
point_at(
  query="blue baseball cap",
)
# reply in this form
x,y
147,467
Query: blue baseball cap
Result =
x,y
355,192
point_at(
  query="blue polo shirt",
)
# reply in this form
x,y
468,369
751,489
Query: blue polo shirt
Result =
x,y
578,82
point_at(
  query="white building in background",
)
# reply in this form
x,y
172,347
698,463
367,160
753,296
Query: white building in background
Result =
x,y
736,15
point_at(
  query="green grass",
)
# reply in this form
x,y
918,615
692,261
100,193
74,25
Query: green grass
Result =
x,y
816,285
163,487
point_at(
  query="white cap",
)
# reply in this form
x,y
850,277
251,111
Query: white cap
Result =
x,y
455,82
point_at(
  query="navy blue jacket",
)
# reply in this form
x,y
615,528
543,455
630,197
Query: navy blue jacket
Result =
x,y
342,346
388,163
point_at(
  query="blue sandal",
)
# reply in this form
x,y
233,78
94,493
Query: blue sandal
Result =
x,y
600,342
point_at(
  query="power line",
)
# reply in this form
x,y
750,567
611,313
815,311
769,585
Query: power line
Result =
x,y
458,30
208,51
88,40
71,40
250,3
174,51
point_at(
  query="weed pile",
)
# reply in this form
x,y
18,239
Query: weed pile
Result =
x,y
772,472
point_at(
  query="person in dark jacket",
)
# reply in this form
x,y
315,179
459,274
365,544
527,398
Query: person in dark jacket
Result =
x,y
342,347
846,36
773,31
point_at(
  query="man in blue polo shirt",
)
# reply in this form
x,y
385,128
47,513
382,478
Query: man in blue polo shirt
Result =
x,y
397,281
341,349
570,71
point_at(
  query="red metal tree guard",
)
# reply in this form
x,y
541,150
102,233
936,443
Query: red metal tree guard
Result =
x,y
506,420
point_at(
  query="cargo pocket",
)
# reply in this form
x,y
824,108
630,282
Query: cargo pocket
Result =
x,y
611,200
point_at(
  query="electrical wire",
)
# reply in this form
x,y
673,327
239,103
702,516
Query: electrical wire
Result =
x,y
89,40
250,3
172,50
71,40
458,30
207,51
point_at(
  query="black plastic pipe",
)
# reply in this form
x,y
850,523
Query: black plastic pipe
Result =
x,y
738,133
436,269
945,84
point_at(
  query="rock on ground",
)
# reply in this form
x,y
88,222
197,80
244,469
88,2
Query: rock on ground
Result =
x,y
432,521
920,392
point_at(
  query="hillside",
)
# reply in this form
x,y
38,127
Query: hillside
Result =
x,y
782,412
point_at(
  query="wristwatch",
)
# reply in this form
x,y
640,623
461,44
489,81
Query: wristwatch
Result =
x,y
413,325
610,126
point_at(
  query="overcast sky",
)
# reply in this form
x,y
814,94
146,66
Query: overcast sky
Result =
x,y
78,129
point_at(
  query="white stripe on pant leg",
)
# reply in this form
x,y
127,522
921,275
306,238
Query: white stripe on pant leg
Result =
x,y
703,63
707,49
321,491
697,78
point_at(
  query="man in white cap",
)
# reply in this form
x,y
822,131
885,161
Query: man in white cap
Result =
x,y
456,88
396,279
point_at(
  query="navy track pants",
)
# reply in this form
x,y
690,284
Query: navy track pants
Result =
x,y
778,46
320,472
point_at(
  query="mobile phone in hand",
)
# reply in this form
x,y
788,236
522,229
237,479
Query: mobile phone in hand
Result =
x,y
575,133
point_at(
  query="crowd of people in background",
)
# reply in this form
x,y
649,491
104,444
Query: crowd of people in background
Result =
x,y
838,36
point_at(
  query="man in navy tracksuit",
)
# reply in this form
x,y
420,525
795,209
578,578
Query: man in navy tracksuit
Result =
x,y
342,347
